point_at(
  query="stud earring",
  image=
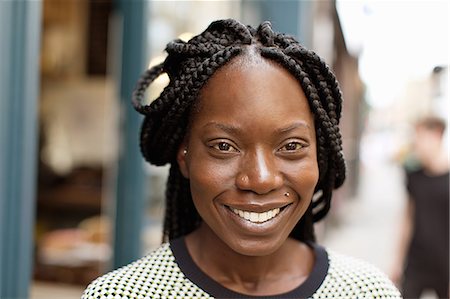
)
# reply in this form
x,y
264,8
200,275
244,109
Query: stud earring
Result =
x,y
286,194
185,151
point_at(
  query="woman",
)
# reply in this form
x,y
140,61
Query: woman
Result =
x,y
249,124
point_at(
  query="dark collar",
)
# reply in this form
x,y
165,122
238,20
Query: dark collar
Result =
x,y
213,288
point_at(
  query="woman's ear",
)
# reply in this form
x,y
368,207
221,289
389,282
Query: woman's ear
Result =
x,y
181,159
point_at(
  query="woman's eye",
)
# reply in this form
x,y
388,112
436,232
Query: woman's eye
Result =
x,y
224,147
292,146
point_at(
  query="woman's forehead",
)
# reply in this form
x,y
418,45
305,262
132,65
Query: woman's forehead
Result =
x,y
257,88
245,68
249,58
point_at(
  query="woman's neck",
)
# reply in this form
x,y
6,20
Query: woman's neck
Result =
x,y
279,272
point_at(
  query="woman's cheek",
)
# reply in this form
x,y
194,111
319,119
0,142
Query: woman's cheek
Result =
x,y
211,177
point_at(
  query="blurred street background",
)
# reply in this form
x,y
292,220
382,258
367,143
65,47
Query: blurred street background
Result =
x,y
77,199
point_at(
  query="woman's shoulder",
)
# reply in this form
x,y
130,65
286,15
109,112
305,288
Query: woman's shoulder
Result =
x,y
355,278
153,276
131,275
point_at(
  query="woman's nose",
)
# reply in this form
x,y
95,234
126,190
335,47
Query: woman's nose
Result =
x,y
259,173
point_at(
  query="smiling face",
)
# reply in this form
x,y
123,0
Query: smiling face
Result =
x,y
251,155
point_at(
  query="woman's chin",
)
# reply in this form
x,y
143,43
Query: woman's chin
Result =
x,y
256,248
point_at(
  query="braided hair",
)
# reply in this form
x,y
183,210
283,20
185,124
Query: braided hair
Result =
x,y
189,65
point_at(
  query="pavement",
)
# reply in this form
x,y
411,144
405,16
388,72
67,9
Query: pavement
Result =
x,y
367,226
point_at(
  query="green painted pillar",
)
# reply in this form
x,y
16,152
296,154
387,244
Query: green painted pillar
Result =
x,y
20,26
289,16
284,15
130,32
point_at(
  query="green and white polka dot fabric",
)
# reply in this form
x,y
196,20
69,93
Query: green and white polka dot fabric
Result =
x,y
158,276
154,276
352,278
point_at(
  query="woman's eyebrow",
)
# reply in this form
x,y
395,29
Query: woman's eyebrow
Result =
x,y
236,130
293,126
224,127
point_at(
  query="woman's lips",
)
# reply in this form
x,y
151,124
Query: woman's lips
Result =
x,y
257,217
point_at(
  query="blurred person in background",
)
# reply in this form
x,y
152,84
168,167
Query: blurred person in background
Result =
x,y
249,124
422,261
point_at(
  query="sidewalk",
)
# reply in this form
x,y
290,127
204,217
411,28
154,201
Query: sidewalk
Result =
x,y
368,224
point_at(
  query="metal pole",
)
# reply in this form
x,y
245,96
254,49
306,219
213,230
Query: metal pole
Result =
x,y
288,16
20,26
129,196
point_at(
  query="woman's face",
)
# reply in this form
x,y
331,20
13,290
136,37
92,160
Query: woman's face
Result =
x,y
251,155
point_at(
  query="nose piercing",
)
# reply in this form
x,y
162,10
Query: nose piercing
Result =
x,y
286,194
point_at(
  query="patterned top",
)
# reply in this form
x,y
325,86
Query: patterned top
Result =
x,y
169,272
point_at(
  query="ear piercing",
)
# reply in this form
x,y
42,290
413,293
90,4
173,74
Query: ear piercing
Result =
x,y
286,194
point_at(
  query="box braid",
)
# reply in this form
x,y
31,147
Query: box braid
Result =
x,y
189,66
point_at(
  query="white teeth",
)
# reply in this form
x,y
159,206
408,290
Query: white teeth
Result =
x,y
262,217
257,217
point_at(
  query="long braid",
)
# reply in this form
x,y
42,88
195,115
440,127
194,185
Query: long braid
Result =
x,y
181,215
190,65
